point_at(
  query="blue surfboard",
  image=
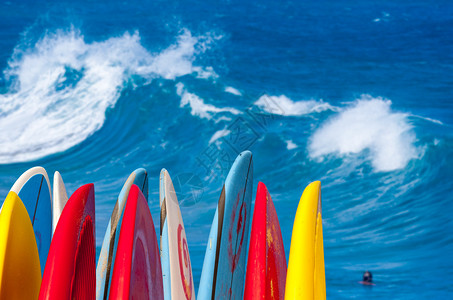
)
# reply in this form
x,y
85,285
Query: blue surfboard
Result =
x,y
33,188
223,272
107,256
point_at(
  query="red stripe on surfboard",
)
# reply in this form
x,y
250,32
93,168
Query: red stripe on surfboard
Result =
x,y
236,233
185,268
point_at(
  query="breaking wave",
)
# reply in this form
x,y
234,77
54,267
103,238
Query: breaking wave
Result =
x,y
60,88
369,124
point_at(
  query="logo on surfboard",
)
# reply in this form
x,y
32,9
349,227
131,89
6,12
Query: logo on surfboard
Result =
x,y
184,263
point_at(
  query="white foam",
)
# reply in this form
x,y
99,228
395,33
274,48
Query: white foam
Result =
x,y
223,118
429,119
206,73
219,134
290,145
385,17
232,90
368,124
61,87
197,105
177,60
282,105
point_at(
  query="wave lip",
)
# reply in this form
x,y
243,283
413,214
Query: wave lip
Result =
x,y
284,106
369,124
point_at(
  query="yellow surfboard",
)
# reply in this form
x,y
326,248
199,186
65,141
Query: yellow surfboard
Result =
x,y
20,270
306,276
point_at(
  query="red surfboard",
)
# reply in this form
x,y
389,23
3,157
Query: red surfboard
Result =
x,y
137,272
70,271
266,266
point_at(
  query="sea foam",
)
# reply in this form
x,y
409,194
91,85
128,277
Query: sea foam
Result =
x,y
368,124
232,90
282,105
60,87
290,145
197,105
219,134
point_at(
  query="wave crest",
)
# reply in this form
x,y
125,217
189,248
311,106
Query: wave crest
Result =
x,y
61,87
197,105
284,106
369,124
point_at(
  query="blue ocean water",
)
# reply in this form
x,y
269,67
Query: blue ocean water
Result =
x,y
357,95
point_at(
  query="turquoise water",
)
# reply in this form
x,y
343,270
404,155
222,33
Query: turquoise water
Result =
x,y
358,96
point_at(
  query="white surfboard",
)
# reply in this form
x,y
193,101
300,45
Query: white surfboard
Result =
x,y
60,197
176,266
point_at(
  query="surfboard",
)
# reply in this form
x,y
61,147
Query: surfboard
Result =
x,y
174,251
33,188
59,199
104,267
137,272
306,276
70,269
20,271
223,272
266,264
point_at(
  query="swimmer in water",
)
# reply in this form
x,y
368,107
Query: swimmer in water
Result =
x,y
367,278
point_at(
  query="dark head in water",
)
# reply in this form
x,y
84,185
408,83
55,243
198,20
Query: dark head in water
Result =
x,y
367,278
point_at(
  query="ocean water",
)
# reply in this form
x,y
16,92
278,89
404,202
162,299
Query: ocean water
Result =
x,y
357,95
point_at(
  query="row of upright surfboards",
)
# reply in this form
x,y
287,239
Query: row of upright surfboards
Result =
x,y
47,243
